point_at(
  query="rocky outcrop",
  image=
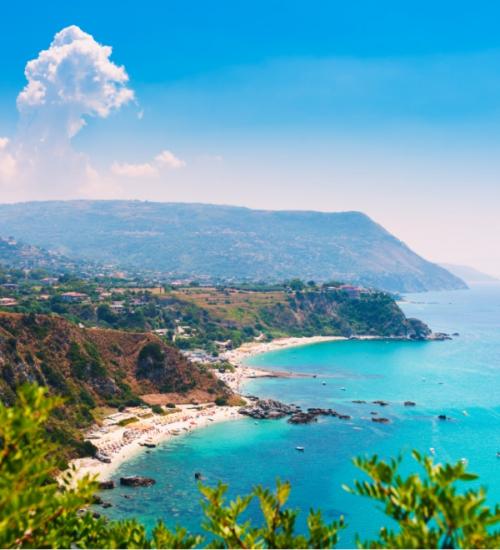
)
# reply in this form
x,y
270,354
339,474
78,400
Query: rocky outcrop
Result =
x,y
272,409
303,418
440,336
137,481
416,329
106,485
269,409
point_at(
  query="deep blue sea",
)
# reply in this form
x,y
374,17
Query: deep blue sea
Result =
x,y
447,377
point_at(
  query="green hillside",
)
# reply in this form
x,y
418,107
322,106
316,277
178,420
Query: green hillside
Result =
x,y
226,243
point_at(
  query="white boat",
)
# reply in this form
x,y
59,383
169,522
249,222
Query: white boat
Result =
x,y
299,448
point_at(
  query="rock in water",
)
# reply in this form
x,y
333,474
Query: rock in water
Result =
x,y
106,485
381,420
137,481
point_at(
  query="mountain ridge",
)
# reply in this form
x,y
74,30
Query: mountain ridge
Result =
x,y
227,242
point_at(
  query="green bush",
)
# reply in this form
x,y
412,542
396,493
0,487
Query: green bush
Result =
x,y
221,401
157,409
428,511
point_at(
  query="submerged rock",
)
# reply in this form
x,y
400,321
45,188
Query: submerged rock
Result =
x,y
381,420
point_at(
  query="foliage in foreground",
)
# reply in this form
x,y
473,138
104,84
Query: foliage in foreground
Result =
x,y
37,512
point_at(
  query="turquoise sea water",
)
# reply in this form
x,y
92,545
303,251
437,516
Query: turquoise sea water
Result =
x,y
441,377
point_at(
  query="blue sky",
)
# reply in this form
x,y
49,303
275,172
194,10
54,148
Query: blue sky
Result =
x,y
389,107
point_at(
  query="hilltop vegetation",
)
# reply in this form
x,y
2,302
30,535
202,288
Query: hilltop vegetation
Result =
x,y
226,243
215,318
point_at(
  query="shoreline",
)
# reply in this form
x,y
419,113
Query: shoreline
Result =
x,y
237,356
122,443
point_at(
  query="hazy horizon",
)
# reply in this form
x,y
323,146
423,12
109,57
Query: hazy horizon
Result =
x,y
388,110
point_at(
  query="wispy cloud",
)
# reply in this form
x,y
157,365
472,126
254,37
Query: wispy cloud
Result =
x,y
169,160
163,161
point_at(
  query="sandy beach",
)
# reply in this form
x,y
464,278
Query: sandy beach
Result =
x,y
119,443
237,356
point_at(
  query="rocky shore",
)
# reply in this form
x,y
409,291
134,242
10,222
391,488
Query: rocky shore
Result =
x,y
265,409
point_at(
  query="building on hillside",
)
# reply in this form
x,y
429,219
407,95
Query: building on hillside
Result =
x,y
74,297
8,302
49,281
351,290
10,286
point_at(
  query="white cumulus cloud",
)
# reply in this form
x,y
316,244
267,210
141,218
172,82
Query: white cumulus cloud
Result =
x,y
68,83
72,79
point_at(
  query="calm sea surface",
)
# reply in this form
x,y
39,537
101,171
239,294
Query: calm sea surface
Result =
x,y
441,377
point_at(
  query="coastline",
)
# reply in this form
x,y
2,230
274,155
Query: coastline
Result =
x,y
237,356
121,443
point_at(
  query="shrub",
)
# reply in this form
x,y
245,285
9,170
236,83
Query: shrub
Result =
x,y
157,409
428,511
221,401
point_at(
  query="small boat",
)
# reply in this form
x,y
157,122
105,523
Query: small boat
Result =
x,y
432,450
498,454
323,383
299,448
465,413
464,461
342,388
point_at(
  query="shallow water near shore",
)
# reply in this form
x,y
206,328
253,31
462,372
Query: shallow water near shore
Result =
x,y
459,378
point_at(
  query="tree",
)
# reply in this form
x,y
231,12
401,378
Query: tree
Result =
x,y
36,511
430,511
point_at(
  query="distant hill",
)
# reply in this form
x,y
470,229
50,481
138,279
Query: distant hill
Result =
x,y
470,274
226,242
19,255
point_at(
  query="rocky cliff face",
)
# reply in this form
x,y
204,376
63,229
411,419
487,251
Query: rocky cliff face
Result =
x,y
94,367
